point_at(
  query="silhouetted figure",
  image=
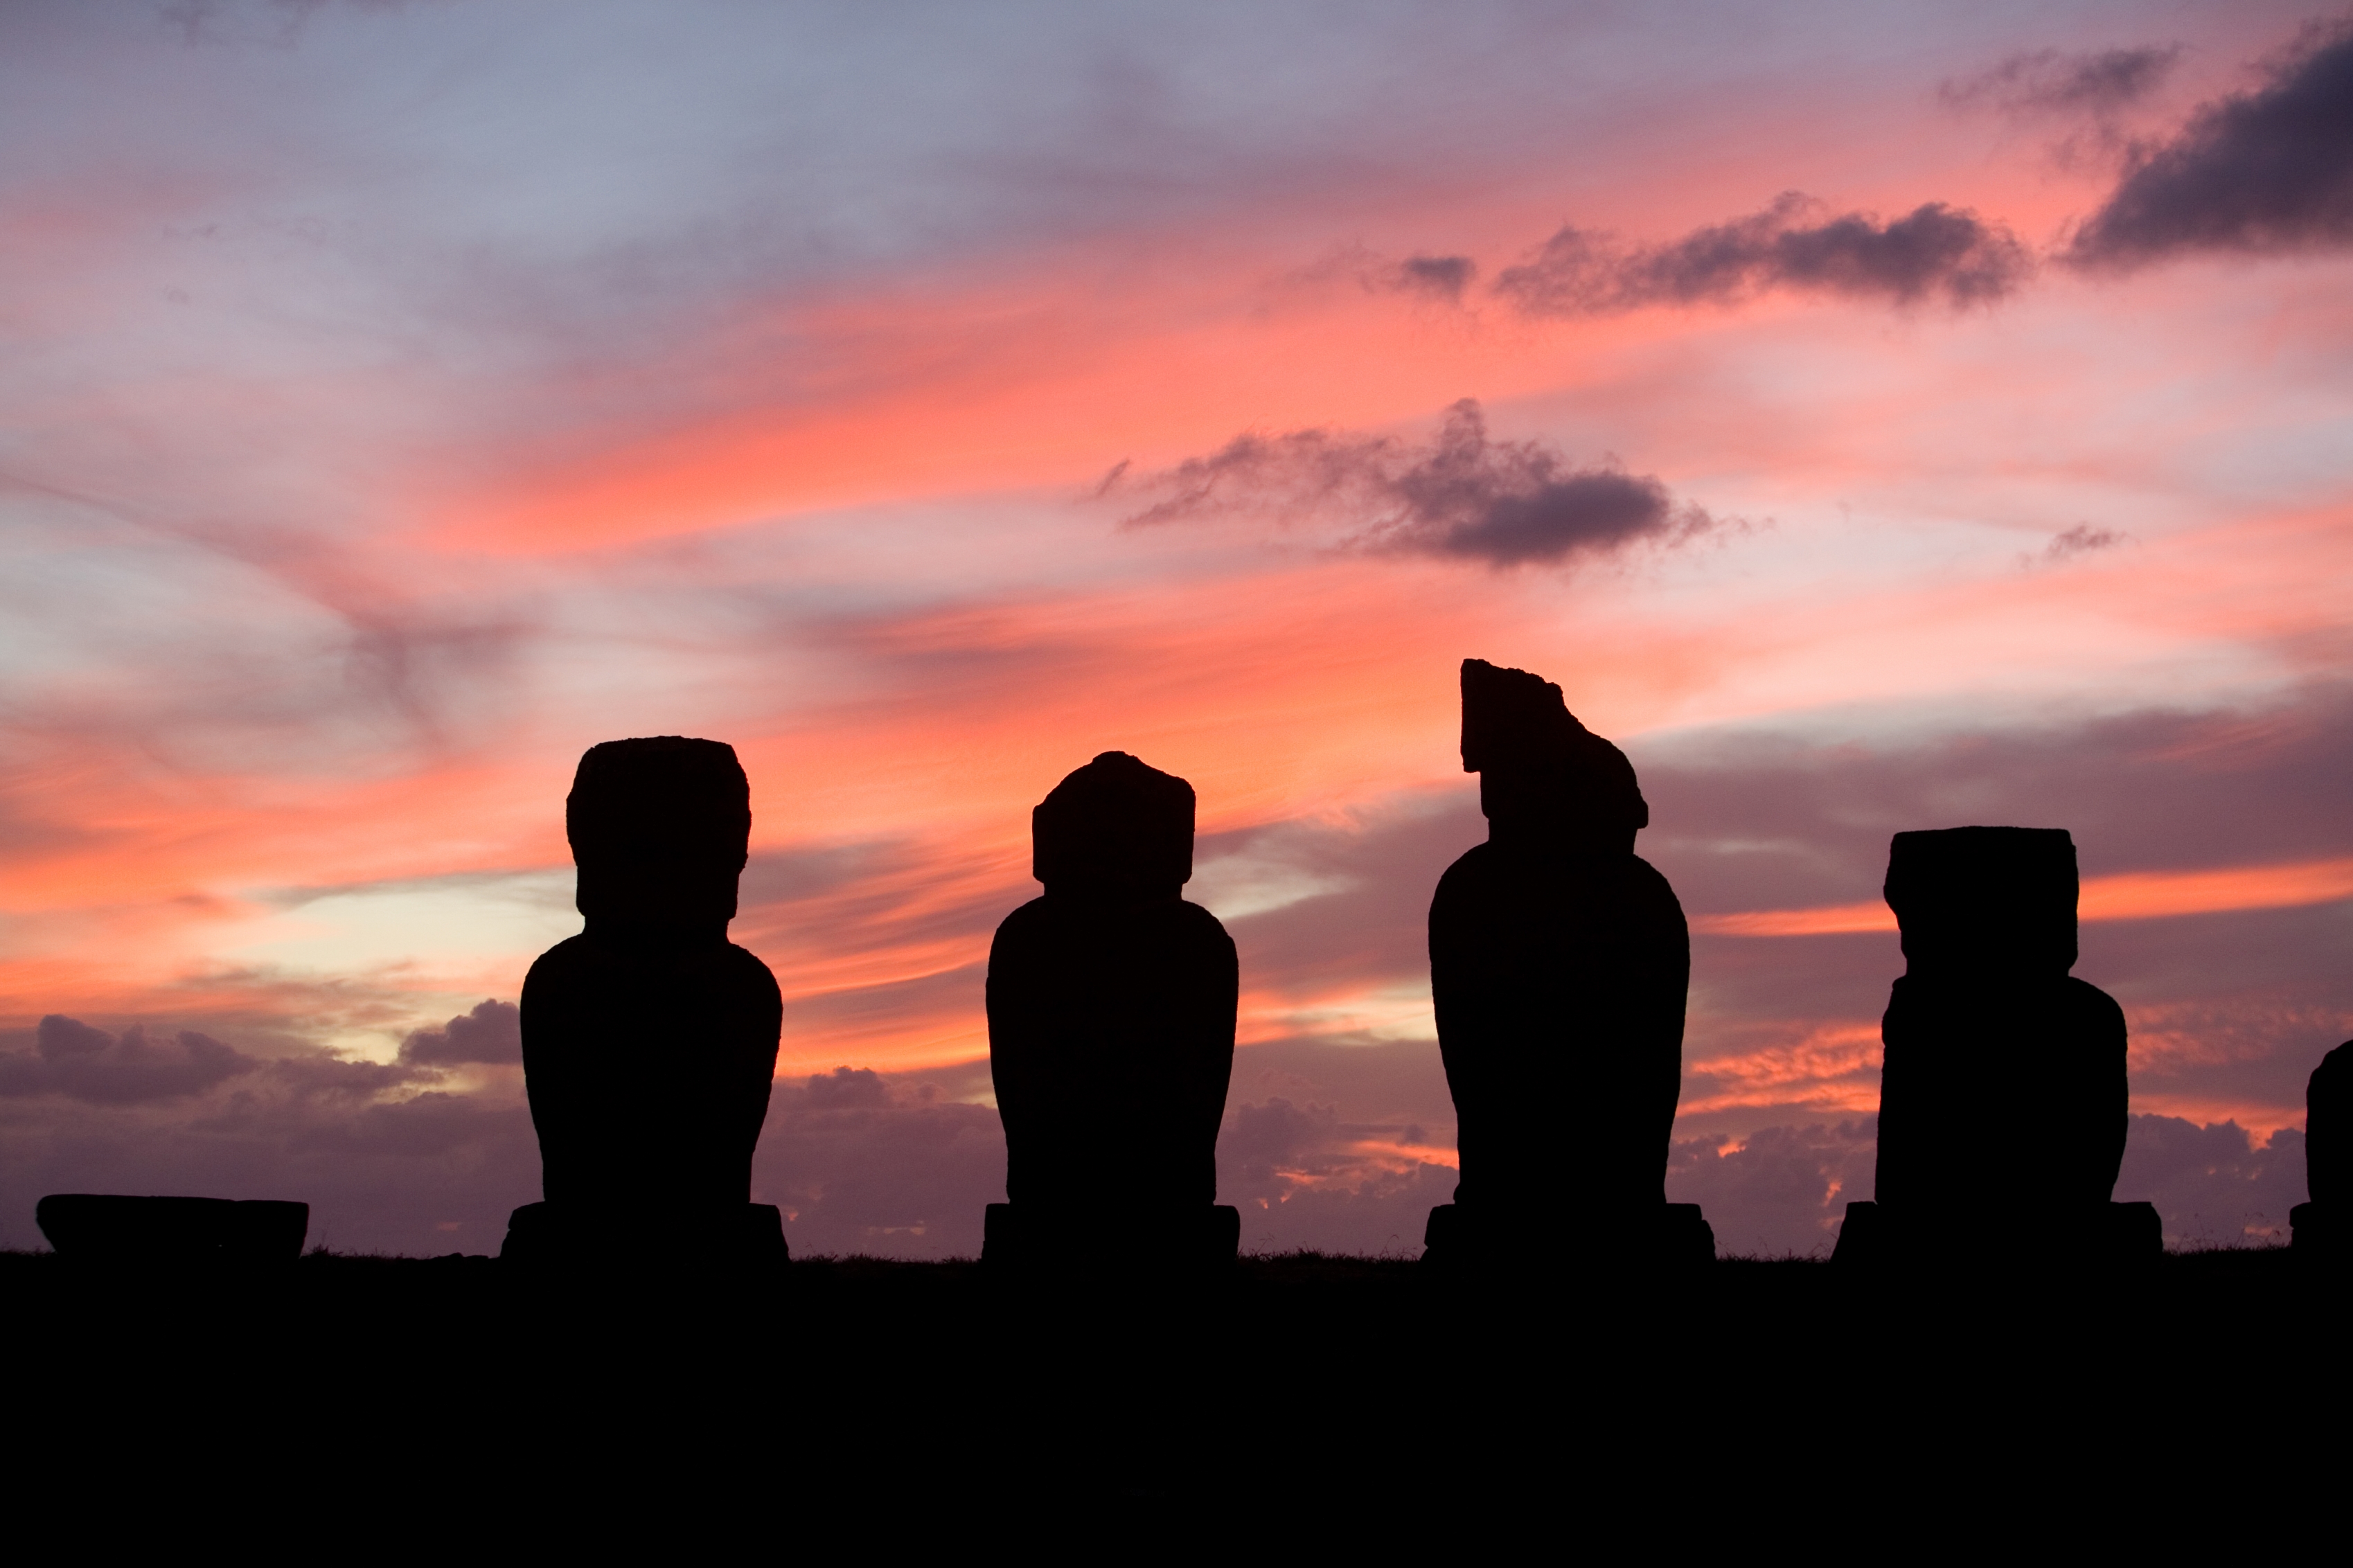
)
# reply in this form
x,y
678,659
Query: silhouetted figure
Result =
x,y
1988,916
649,1039
1558,961
2327,1154
115,1229
1111,1030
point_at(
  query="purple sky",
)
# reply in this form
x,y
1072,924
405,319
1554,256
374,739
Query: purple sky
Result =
x,y
1874,416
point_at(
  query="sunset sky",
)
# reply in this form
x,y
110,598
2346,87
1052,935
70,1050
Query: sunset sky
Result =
x,y
1874,416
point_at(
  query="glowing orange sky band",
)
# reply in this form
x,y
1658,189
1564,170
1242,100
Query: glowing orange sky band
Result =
x,y
2134,896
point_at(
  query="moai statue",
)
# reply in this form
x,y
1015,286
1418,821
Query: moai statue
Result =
x,y
2321,1225
1111,1032
648,1040
1988,916
1558,961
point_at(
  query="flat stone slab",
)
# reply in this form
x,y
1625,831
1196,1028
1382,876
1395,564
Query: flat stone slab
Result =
x,y
146,1230
2111,1234
731,1235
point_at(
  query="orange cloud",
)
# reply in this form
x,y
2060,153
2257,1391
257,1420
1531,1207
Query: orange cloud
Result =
x,y
1823,1070
2133,896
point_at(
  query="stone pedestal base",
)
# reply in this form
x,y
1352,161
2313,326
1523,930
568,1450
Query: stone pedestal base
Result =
x,y
1044,1238
748,1236
179,1230
2317,1232
1670,1235
2112,1234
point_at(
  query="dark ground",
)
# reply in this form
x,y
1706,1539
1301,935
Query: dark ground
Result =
x,y
1733,1405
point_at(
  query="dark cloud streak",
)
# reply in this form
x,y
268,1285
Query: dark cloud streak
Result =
x,y
1465,497
2044,82
1935,252
2268,171
1440,277
2081,540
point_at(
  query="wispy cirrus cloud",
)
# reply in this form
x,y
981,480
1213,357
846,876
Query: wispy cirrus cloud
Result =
x,y
1465,496
2097,103
2046,81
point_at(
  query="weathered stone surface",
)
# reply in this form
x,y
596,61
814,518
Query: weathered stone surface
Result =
x,y
649,1039
1110,1014
1559,961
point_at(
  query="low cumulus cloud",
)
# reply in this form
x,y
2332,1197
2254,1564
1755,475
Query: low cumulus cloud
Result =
x,y
1306,1175
1936,253
1466,495
490,1034
1785,1189
2259,171
386,1161
903,1164
2215,1183
316,1075
71,1059
899,1165
1779,1190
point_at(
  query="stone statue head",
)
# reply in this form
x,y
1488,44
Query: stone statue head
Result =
x,y
1992,900
659,829
1542,774
1114,829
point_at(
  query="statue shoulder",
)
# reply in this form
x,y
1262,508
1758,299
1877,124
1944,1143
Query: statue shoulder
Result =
x,y
567,958
2092,1006
1036,912
1199,925
1474,868
748,968
1649,884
